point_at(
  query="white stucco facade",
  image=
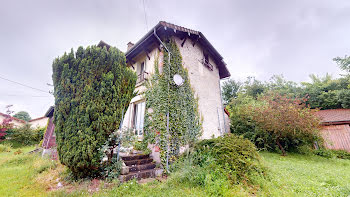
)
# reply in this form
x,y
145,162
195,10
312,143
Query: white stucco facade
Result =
x,y
205,82
38,122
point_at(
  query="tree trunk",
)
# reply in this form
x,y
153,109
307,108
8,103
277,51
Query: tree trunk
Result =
x,y
280,146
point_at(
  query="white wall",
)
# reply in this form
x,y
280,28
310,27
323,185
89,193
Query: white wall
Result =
x,y
39,122
206,84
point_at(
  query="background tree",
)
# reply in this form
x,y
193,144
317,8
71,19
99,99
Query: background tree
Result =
x,y
23,115
92,87
343,63
230,90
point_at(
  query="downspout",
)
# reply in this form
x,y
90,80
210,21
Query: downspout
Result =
x,y
167,115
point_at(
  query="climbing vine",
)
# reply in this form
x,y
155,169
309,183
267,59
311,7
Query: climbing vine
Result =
x,y
163,96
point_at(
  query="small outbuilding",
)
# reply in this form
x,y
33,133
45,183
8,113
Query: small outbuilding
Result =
x,y
335,128
49,141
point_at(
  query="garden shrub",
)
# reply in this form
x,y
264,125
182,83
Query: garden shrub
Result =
x,y
238,156
25,135
341,154
324,153
275,122
92,88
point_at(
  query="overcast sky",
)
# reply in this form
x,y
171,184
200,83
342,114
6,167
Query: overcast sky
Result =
x,y
256,38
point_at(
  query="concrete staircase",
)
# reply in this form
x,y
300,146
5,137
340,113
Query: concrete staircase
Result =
x,y
138,166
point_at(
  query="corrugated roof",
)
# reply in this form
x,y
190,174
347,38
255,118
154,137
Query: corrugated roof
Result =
x,y
334,115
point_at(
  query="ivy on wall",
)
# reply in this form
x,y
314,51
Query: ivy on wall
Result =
x,y
163,96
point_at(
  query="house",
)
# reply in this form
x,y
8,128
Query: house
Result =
x,y
335,128
38,122
15,121
205,69
49,141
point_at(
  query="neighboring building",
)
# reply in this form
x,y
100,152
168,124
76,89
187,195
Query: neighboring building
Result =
x,y
205,70
15,121
335,128
49,141
38,122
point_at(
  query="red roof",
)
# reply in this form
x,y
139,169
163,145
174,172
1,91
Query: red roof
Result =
x,y
334,115
37,119
19,120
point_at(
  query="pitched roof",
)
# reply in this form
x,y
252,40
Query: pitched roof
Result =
x,y
165,28
37,119
334,115
19,120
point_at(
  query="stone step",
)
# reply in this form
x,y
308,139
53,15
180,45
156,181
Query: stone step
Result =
x,y
134,157
151,173
138,162
138,168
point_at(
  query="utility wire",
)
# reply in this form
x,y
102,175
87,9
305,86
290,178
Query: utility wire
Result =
x,y
23,95
24,85
144,10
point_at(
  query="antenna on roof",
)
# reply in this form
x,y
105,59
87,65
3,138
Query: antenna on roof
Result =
x,y
144,10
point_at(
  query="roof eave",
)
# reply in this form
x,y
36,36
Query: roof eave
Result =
x,y
223,71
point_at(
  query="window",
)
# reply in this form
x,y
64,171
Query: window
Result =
x,y
205,61
142,68
138,118
206,58
141,73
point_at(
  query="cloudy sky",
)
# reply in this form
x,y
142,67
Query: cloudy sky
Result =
x,y
256,38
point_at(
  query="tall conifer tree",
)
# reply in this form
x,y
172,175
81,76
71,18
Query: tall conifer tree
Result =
x,y
92,88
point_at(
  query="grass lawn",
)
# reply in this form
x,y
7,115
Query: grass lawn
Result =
x,y
301,175
17,173
293,175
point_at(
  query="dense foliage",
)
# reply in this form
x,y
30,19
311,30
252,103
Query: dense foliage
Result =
x,y
23,115
274,121
322,92
235,154
230,90
92,88
26,135
164,96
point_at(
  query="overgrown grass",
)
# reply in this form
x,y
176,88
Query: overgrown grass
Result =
x,y
293,175
18,172
301,175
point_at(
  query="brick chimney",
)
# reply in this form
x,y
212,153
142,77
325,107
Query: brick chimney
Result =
x,y
130,45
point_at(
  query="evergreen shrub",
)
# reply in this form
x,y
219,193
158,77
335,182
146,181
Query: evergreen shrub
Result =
x,y
92,87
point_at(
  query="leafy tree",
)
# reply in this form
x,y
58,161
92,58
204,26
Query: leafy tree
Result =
x,y
92,87
324,92
253,87
343,63
23,115
230,90
279,85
